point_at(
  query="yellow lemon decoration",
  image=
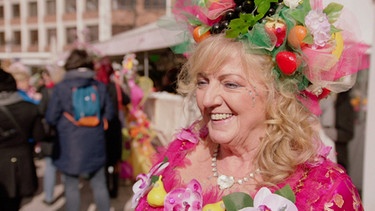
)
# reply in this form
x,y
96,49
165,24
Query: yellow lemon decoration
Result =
x,y
339,44
156,196
218,206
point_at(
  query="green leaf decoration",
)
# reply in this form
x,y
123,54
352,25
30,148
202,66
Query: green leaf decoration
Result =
x,y
185,46
154,179
201,3
287,192
334,29
259,2
304,83
195,22
301,11
192,20
263,7
259,39
308,39
236,201
203,29
239,26
277,72
333,11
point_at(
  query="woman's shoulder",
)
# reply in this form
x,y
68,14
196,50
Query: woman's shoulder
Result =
x,y
332,187
184,141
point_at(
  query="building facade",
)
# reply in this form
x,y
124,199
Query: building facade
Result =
x,y
38,31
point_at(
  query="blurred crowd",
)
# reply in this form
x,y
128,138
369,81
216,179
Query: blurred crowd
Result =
x,y
36,127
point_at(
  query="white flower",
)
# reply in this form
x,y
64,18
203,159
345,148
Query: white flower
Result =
x,y
319,26
266,200
292,4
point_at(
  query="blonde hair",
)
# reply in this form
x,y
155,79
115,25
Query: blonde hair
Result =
x,y
290,139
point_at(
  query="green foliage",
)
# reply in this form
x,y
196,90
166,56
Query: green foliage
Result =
x,y
301,11
154,179
333,11
240,26
287,192
236,201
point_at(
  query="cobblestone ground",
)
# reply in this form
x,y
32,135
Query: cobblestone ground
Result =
x,y
35,203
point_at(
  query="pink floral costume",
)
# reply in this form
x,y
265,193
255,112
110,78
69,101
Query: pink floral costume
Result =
x,y
322,186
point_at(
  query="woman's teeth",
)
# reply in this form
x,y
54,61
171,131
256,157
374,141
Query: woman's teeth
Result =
x,y
220,116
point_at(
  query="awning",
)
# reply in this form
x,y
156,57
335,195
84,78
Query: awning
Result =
x,y
163,33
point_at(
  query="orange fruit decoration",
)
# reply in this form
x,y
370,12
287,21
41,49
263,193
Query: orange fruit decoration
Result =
x,y
198,36
296,36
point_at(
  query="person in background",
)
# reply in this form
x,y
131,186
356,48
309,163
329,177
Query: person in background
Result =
x,y
48,145
19,122
258,93
169,80
22,75
341,131
82,150
113,135
327,121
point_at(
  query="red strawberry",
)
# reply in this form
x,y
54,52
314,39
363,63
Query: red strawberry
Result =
x,y
287,62
277,30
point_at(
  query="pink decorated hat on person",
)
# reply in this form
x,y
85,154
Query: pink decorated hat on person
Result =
x,y
311,44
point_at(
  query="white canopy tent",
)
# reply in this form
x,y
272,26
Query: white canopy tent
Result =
x,y
156,35
163,33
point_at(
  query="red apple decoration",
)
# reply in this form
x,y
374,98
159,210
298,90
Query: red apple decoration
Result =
x,y
287,62
276,28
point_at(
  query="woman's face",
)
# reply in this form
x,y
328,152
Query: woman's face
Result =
x,y
231,107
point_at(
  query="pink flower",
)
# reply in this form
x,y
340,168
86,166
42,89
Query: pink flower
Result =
x,y
320,28
265,200
217,8
143,184
185,199
188,135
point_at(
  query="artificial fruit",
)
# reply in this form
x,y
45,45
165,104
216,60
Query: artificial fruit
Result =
x,y
296,36
276,28
156,196
287,62
200,33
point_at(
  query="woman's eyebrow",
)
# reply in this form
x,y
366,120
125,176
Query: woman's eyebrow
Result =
x,y
226,75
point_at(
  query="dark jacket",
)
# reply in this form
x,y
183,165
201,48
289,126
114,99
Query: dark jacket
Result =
x,y
17,169
114,132
48,146
345,126
82,149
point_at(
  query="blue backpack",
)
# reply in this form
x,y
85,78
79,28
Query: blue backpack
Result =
x,y
86,106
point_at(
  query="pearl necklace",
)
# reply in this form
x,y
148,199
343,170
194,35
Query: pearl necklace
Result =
x,y
225,181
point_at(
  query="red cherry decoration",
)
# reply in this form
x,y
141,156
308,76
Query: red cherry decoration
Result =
x,y
287,62
276,29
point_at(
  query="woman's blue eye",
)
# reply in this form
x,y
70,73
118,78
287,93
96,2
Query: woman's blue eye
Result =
x,y
201,83
231,85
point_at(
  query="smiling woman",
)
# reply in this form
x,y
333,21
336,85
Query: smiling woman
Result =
x,y
257,95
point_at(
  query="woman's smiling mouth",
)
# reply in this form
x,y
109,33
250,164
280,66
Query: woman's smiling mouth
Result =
x,y
223,116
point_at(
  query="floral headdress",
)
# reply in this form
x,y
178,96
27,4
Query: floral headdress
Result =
x,y
308,42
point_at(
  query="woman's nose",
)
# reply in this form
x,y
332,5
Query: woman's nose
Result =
x,y
212,96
